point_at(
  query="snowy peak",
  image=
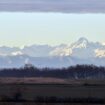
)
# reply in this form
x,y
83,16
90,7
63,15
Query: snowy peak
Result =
x,y
81,43
82,40
37,50
100,53
17,53
80,52
61,51
82,48
75,49
5,51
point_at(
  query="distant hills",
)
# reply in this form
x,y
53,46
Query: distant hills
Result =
x,y
80,52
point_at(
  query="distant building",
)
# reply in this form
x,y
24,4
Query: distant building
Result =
x,y
28,66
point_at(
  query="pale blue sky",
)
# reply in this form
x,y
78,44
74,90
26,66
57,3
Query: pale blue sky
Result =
x,y
18,29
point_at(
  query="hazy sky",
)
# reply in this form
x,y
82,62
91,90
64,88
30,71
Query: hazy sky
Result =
x,y
71,6
18,29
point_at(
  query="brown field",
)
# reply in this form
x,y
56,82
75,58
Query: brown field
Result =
x,y
13,103
41,80
30,91
50,87
32,80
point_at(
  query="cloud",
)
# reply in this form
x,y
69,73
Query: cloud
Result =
x,y
66,6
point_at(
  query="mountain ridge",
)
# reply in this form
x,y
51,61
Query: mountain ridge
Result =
x,y
82,51
58,50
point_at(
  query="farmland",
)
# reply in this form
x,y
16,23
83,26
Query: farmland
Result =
x,y
30,89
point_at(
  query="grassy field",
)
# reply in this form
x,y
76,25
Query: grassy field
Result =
x,y
30,91
30,88
13,80
13,103
41,80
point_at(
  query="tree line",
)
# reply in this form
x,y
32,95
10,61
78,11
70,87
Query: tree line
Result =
x,y
72,72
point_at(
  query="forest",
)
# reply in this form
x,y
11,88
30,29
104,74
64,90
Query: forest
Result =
x,y
72,72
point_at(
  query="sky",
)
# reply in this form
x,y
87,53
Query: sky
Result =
x,y
20,28
65,6
53,22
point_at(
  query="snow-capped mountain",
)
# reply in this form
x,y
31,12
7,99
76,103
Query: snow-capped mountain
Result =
x,y
81,43
82,48
61,50
80,52
4,50
37,50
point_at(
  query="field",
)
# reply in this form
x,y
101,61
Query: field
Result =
x,y
25,103
29,89
41,80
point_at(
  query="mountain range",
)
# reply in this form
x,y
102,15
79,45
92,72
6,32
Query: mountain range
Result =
x,y
80,52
